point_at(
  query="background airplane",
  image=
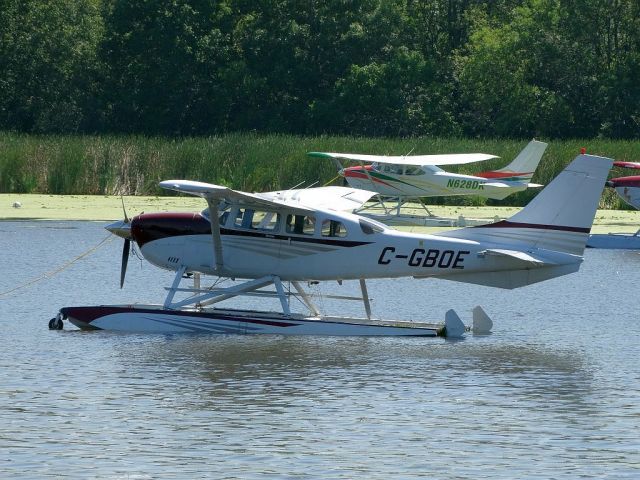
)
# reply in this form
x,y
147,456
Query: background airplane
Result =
x,y
408,177
627,188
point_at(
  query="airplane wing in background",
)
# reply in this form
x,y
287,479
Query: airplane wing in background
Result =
x,y
301,201
209,192
342,199
418,160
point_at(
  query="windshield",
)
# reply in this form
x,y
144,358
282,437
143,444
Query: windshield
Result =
x,y
370,227
222,209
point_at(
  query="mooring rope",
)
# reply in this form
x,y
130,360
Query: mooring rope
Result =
x,y
50,274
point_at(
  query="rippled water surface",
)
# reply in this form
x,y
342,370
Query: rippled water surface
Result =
x,y
554,392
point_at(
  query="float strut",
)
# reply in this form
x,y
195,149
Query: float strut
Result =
x,y
365,298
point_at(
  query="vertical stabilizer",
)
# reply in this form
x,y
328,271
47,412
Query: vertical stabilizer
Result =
x,y
522,167
559,218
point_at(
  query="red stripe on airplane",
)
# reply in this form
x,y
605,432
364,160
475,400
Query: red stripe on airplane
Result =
x,y
493,174
626,181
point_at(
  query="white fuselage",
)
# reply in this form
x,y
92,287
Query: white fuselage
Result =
x,y
327,246
428,181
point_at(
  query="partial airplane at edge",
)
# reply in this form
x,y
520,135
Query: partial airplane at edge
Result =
x,y
421,176
272,238
627,188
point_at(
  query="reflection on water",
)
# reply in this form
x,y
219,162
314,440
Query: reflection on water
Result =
x,y
553,392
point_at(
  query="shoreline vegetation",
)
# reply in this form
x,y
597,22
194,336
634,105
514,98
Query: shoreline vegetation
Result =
x,y
133,165
109,208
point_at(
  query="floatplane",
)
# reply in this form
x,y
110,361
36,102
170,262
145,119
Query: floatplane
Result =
x,y
409,178
628,189
282,240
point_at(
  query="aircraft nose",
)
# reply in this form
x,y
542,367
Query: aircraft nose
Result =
x,y
120,228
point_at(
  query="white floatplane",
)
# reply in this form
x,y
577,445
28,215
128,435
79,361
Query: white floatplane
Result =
x,y
274,240
628,189
410,178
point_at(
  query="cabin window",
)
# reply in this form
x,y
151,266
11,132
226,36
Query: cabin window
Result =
x,y
243,217
333,228
265,221
368,227
301,224
256,219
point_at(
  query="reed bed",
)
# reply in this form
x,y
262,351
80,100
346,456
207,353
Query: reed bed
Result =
x,y
133,165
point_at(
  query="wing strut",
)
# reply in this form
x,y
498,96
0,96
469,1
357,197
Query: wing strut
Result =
x,y
215,232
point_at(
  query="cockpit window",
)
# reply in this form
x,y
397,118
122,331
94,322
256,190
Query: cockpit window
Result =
x,y
256,219
432,168
301,224
391,168
413,170
368,227
333,228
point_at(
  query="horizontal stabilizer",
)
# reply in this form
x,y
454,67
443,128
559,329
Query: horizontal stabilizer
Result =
x,y
509,279
515,254
497,185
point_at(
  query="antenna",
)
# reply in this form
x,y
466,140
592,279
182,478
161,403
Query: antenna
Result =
x,y
409,153
295,186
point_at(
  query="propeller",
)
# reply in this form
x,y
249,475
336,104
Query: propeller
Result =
x,y
125,259
122,228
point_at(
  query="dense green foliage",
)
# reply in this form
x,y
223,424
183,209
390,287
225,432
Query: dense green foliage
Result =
x,y
73,164
506,68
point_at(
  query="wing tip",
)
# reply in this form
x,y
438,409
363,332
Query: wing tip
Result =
x,y
319,154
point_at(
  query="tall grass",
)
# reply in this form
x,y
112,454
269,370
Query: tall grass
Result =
x,y
133,165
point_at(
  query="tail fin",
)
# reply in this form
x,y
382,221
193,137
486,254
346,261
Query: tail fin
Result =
x,y
522,168
559,218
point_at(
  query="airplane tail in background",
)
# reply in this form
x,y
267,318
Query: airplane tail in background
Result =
x,y
549,235
522,168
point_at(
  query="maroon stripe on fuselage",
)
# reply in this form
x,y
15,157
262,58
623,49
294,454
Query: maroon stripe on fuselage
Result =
x,y
496,174
92,313
508,224
155,226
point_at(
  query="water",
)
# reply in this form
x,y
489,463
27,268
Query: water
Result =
x,y
554,392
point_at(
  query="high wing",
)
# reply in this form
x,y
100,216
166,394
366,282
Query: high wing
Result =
x,y
301,201
211,192
418,160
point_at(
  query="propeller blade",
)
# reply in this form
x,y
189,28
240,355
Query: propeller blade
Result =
x,y
125,259
126,219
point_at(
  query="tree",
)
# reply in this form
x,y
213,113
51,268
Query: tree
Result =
x,y
166,65
49,65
